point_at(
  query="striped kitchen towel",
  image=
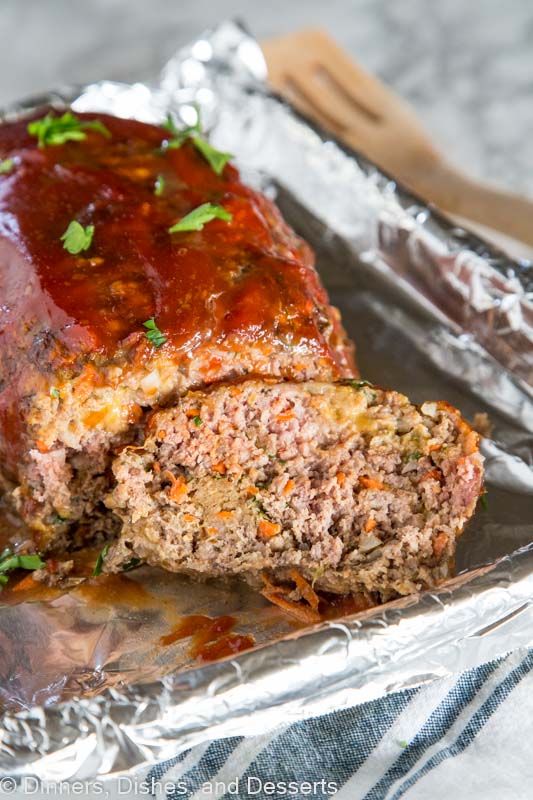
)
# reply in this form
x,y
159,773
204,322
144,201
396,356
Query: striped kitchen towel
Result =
x,y
467,736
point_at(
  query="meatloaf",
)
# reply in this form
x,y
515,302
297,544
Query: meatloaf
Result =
x,y
118,293
351,486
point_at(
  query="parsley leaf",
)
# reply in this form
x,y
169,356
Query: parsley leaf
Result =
x,y
414,456
77,238
153,334
197,421
197,218
100,561
6,166
180,135
356,384
55,393
159,185
52,130
216,159
8,562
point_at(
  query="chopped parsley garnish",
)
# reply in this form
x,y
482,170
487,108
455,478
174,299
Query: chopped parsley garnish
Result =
x,y
159,185
55,393
216,159
9,562
414,456
197,218
6,166
153,334
260,507
357,384
77,238
100,561
179,135
52,130
403,744
131,564
197,421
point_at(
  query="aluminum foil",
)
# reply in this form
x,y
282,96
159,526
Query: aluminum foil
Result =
x,y
437,313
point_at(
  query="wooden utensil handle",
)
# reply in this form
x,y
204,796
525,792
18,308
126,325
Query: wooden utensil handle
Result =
x,y
458,194
294,58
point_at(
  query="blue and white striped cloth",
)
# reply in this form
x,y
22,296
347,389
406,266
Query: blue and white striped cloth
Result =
x,y
467,736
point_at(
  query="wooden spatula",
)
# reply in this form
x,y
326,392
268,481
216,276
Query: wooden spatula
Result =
x,y
323,82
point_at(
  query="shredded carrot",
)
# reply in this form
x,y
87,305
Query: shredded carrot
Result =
x,y
28,582
285,417
267,528
289,486
157,467
161,435
340,478
192,412
252,490
370,524
439,543
305,589
214,364
435,446
299,366
471,443
190,518
220,467
225,514
94,418
271,587
41,447
432,474
178,488
178,491
135,412
370,483
212,531
301,612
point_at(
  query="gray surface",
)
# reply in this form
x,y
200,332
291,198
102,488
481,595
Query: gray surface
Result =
x,y
467,66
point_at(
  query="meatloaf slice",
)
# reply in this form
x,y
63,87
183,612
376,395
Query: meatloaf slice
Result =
x,y
133,312
352,485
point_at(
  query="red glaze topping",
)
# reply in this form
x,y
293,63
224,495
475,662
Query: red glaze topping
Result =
x,y
251,279
212,638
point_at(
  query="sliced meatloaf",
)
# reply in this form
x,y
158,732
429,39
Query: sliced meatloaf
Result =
x,y
130,307
351,485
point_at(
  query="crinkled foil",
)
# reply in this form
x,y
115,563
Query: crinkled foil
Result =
x,y
436,313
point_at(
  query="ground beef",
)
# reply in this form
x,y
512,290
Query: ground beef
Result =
x,y
352,485
78,372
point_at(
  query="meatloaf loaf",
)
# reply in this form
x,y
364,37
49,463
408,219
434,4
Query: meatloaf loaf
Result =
x,y
350,485
174,379
115,299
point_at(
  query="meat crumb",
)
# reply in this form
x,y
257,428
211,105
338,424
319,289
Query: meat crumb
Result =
x,y
482,424
55,572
